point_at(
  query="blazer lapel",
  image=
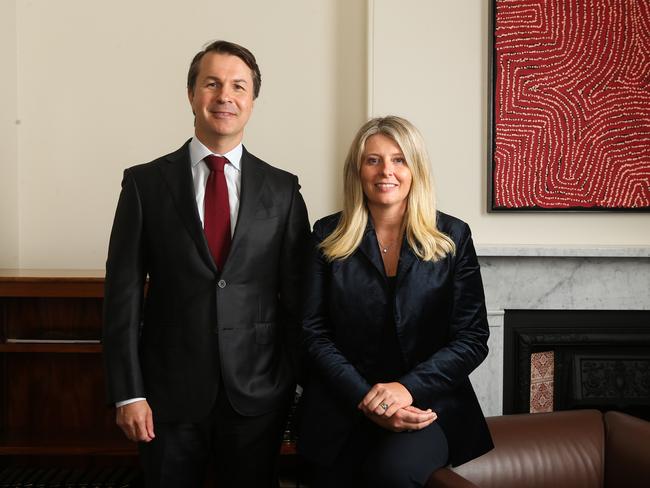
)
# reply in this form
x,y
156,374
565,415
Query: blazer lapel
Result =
x,y
178,175
369,247
406,259
252,179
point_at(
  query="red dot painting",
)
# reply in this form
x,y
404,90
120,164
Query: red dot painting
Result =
x,y
571,104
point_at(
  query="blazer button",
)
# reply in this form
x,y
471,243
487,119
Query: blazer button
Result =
x,y
222,283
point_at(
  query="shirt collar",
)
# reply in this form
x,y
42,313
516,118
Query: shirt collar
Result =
x,y
198,152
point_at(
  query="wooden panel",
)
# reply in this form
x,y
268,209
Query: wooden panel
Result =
x,y
53,409
68,445
52,318
57,275
56,393
51,283
60,348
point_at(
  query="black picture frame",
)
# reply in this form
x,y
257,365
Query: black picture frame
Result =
x,y
491,142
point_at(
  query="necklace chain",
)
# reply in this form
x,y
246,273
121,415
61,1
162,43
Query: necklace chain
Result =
x,y
385,249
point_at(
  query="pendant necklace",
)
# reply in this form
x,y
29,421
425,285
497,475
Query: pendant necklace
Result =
x,y
383,248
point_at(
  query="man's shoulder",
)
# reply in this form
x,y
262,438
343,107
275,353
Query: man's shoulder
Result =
x,y
179,154
269,170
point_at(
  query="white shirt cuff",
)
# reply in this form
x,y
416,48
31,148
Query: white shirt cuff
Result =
x,y
126,402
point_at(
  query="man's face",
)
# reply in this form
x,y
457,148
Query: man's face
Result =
x,y
222,100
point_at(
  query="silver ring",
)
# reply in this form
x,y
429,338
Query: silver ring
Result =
x,y
384,405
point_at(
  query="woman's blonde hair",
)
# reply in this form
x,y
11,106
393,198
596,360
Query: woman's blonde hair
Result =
x,y
422,234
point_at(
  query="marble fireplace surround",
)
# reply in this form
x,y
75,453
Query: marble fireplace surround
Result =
x,y
553,278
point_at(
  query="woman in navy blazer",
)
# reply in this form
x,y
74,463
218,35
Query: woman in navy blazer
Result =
x,y
394,322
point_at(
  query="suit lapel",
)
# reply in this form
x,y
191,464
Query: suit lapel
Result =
x,y
178,175
252,179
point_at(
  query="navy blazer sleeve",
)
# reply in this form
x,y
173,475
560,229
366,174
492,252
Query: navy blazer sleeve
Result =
x,y
328,361
468,329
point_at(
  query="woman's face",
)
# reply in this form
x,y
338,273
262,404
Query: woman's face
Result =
x,y
385,176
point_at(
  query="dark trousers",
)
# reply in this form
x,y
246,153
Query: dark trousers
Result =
x,y
243,450
377,458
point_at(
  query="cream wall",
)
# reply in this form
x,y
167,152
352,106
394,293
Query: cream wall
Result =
x,y
428,61
101,86
8,143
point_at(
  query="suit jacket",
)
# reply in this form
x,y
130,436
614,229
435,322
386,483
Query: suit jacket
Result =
x,y
196,323
441,327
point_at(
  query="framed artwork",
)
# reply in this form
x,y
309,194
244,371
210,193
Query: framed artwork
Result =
x,y
569,103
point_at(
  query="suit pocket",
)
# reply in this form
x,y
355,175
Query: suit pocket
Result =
x,y
264,332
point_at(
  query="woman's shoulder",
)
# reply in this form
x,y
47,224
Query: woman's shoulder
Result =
x,y
452,226
326,225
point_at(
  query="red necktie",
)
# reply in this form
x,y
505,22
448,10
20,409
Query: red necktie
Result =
x,y
216,211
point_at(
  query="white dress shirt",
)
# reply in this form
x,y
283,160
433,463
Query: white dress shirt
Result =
x,y
200,173
232,171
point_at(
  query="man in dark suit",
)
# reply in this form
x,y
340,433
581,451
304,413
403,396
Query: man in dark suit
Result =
x,y
202,365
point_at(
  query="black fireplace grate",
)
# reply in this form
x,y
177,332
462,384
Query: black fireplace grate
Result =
x,y
601,358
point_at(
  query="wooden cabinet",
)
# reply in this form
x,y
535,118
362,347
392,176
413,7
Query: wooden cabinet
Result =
x,y
53,407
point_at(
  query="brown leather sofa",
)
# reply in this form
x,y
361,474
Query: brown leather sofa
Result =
x,y
570,449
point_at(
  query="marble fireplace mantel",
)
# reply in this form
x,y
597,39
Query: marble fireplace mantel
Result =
x,y
563,251
553,278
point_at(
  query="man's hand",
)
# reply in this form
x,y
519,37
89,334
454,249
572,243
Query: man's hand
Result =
x,y
136,421
408,418
386,399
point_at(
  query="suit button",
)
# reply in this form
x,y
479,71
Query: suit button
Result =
x,y
222,283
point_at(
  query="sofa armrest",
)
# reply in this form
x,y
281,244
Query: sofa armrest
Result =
x,y
541,450
627,451
446,478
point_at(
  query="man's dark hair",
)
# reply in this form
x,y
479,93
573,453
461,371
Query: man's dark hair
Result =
x,y
225,47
